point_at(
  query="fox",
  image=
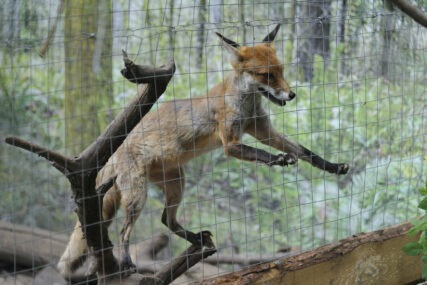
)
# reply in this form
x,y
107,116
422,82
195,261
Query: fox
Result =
x,y
156,150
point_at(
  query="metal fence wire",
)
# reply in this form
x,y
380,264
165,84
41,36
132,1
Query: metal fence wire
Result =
x,y
358,69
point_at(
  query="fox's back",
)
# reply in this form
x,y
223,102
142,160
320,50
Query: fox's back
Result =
x,y
177,130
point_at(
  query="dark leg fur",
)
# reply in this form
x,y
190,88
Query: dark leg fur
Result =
x,y
317,161
248,153
173,187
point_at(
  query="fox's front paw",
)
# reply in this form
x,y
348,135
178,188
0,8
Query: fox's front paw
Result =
x,y
203,238
342,168
284,159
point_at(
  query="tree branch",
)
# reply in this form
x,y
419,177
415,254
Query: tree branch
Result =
x,y
59,161
144,73
46,44
412,11
168,272
182,263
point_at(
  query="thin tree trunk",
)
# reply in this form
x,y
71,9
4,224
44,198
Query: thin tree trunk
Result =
x,y
242,19
315,29
171,32
342,12
216,12
11,28
292,19
388,27
304,43
88,71
148,26
200,33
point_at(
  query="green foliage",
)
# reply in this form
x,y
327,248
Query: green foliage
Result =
x,y
413,248
419,226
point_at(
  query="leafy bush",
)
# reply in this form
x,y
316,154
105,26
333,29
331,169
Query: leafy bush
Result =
x,y
420,226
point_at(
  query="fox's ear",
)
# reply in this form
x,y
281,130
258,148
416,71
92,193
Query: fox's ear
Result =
x,y
272,35
230,46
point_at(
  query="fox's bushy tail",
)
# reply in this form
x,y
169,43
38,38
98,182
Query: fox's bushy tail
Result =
x,y
75,253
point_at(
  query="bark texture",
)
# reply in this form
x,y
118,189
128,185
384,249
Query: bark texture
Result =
x,y
365,258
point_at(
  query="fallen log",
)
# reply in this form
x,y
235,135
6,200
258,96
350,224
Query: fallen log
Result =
x,y
246,259
34,247
29,247
365,258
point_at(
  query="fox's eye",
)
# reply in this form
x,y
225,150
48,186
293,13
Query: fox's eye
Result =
x,y
268,76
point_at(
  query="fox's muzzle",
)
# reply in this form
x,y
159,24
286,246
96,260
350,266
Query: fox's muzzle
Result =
x,y
274,99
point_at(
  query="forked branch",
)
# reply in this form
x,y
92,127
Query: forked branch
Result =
x,y
59,161
82,170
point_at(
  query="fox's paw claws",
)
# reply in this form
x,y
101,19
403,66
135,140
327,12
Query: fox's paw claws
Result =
x,y
343,168
285,159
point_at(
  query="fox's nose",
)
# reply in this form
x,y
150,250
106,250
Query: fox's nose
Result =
x,y
292,95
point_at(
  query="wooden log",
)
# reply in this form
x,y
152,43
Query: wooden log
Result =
x,y
365,258
246,259
29,247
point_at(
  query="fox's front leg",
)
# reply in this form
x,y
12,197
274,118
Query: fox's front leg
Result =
x,y
248,153
263,130
233,147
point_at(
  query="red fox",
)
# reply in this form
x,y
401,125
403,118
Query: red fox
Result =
x,y
163,141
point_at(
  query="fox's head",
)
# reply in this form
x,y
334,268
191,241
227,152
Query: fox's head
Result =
x,y
261,68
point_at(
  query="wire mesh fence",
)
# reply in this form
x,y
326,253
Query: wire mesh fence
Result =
x,y
357,69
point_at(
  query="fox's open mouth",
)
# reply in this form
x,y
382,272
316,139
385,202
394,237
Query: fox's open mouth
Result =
x,y
271,97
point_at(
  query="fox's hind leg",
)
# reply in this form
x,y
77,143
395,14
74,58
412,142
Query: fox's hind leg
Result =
x,y
133,188
173,186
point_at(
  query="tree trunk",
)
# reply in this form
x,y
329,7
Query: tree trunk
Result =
x,y
171,32
314,18
200,34
216,12
11,27
88,70
292,16
148,26
387,24
242,20
342,12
